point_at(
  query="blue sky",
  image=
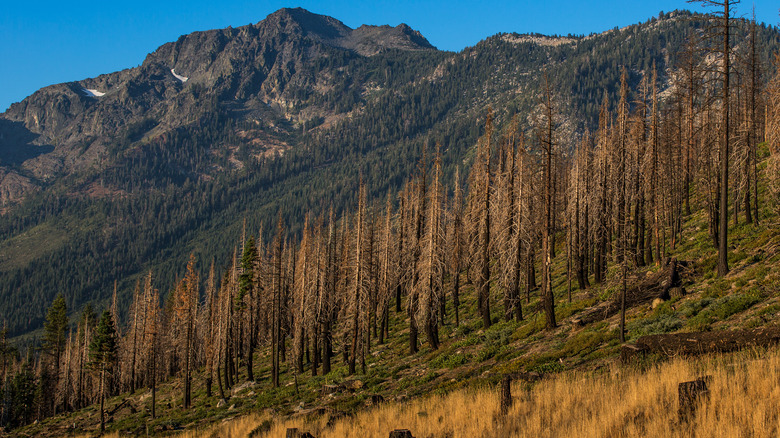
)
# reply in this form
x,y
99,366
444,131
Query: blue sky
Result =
x,y
47,42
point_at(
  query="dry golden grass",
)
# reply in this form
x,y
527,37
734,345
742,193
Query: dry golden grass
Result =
x,y
621,402
239,427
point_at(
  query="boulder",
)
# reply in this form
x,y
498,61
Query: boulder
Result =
x,y
246,385
353,385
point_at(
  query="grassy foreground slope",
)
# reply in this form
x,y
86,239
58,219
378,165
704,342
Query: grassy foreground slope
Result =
x,y
614,402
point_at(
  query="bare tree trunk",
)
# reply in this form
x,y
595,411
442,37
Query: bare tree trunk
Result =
x,y
357,291
276,337
723,261
484,254
548,240
102,397
154,377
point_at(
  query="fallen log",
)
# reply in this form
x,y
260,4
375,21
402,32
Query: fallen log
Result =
x,y
124,402
689,344
661,284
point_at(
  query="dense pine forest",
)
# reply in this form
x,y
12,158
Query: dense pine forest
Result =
x,y
423,215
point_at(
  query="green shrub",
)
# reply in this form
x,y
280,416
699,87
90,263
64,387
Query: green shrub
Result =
x,y
549,367
773,309
450,360
462,330
500,333
467,342
722,308
661,323
692,308
583,343
487,352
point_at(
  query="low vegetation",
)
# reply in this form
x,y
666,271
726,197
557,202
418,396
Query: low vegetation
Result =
x,y
613,401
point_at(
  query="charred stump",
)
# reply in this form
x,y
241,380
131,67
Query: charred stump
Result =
x,y
506,394
629,352
293,432
690,395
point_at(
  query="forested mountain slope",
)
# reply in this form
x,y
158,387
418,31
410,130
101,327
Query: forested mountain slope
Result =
x,y
105,178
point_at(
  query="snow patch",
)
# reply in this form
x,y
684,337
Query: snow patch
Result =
x,y
179,77
92,92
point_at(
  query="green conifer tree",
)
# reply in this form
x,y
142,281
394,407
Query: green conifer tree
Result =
x,y
54,330
102,355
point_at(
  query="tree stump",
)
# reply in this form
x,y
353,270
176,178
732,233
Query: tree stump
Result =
x,y
401,433
374,400
506,394
629,353
690,395
293,432
677,292
353,385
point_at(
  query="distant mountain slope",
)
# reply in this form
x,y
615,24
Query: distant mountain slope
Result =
x,y
105,178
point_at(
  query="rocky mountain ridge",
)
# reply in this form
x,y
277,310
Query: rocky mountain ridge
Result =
x,y
69,127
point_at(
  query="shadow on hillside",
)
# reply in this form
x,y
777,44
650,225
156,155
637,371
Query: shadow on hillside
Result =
x,y
16,144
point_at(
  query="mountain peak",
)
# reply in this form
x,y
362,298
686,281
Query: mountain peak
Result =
x,y
308,23
366,40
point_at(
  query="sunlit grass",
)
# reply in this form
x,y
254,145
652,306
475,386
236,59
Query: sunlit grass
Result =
x,y
619,402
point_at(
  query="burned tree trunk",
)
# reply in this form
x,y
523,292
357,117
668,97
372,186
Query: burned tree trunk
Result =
x,y
506,394
690,395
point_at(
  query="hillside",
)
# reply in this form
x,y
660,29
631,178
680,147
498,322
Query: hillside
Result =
x,y
306,221
272,118
424,391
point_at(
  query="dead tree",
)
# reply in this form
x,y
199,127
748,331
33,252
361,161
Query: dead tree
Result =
x,y
722,26
548,144
479,199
